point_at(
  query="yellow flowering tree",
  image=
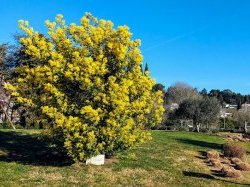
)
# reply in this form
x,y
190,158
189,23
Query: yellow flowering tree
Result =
x,y
85,82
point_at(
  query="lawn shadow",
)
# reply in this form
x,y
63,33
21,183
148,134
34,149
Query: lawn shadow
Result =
x,y
201,143
210,177
202,155
30,149
198,175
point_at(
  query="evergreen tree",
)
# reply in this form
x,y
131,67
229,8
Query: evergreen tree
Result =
x,y
146,68
204,92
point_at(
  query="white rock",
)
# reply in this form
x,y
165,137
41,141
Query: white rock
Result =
x,y
96,160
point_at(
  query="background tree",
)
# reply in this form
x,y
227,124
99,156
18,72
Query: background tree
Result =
x,y
159,87
204,92
201,110
210,110
7,65
229,97
85,84
179,92
242,118
146,68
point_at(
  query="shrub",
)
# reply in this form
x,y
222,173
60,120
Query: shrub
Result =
x,y
236,160
216,163
231,149
225,160
5,125
228,171
242,166
85,81
213,154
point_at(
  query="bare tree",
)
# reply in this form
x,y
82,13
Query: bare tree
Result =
x,y
179,92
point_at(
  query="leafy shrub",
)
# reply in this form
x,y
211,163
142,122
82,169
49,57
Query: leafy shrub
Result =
x,y
231,149
85,81
5,125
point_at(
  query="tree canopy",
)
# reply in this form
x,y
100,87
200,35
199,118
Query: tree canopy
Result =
x,y
84,83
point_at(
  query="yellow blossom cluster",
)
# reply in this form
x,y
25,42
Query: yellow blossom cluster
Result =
x,y
86,82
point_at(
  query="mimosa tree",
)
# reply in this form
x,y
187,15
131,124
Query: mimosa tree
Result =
x,y
85,83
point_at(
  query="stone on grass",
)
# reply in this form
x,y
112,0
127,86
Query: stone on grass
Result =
x,y
96,160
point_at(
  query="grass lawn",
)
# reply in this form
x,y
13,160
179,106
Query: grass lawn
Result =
x,y
169,159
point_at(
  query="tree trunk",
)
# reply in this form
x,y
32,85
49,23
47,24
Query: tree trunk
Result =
x,y
245,127
7,117
198,127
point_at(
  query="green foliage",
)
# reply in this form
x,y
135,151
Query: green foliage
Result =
x,y
229,97
159,87
146,68
201,111
228,123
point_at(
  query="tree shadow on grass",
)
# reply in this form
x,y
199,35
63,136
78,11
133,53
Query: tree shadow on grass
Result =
x,y
30,149
210,177
201,143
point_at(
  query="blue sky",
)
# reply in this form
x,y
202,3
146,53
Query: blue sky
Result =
x,y
204,43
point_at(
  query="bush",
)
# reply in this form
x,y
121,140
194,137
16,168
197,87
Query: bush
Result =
x,y
236,160
213,154
231,149
228,171
242,166
86,82
216,163
5,125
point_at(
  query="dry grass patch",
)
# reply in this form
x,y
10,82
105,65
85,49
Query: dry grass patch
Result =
x,y
232,149
216,163
236,160
213,154
234,136
228,171
140,176
226,161
242,166
45,175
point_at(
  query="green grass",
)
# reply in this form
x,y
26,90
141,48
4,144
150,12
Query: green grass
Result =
x,y
169,159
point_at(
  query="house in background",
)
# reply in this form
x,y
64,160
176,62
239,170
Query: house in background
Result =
x,y
230,106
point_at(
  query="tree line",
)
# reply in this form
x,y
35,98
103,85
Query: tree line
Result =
x,y
204,110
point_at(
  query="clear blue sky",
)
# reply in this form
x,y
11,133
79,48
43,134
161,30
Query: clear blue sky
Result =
x,y
204,43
